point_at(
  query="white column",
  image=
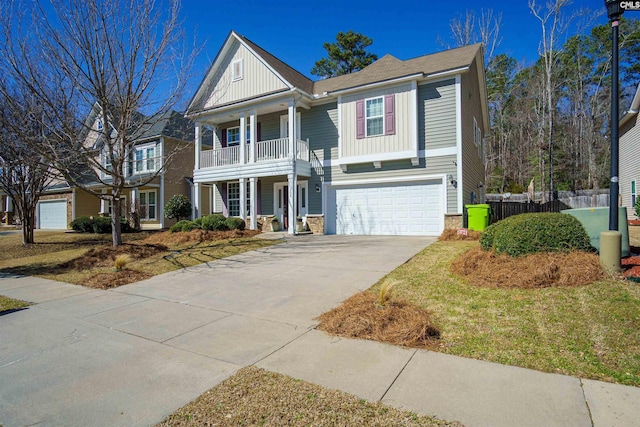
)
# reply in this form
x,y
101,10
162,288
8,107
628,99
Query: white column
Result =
x,y
253,200
133,203
253,134
8,204
292,129
103,207
243,138
291,206
243,198
196,200
198,145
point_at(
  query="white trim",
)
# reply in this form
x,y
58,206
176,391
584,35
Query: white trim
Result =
x,y
377,157
382,116
459,176
73,203
339,105
284,119
442,74
436,80
143,148
237,107
377,84
147,192
416,119
236,75
198,147
387,180
435,152
161,190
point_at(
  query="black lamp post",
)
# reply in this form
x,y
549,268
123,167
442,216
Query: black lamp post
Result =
x,y
614,11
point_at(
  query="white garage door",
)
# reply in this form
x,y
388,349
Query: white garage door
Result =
x,y
52,215
388,209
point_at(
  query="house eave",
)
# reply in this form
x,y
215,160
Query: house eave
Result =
x,y
408,78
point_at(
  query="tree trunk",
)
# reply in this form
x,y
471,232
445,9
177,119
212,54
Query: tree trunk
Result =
x,y
116,233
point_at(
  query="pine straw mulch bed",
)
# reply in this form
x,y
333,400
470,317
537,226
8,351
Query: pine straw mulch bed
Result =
x,y
116,278
198,236
631,266
487,269
455,234
398,322
255,397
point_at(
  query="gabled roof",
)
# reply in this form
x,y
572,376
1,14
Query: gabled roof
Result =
x,y
633,109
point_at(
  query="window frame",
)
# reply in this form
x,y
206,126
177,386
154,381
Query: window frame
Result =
x,y
634,192
147,204
236,70
380,117
144,149
234,143
236,200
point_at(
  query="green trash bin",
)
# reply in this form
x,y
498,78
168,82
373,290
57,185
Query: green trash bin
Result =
x,y
478,216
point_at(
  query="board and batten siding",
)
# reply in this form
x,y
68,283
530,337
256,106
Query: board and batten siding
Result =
x,y
629,163
437,115
401,141
472,163
256,79
320,128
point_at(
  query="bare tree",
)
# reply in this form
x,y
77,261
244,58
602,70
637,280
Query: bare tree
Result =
x,y
23,172
484,29
107,71
553,23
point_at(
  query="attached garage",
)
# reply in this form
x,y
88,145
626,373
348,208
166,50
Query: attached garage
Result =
x,y
52,214
407,209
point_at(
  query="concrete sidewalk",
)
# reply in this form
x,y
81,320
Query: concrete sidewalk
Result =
x,y
133,355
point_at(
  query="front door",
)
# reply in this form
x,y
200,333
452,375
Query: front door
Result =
x,y
281,201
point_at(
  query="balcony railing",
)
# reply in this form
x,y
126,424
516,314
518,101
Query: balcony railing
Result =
x,y
274,149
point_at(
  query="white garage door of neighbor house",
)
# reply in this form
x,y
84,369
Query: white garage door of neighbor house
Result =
x,y
389,209
52,215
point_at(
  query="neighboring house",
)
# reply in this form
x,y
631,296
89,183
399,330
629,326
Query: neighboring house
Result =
x,y
629,154
6,209
62,203
394,149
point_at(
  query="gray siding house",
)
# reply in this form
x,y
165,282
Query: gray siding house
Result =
x,y
629,167
394,149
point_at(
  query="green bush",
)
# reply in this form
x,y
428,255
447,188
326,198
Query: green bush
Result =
x,y
178,225
637,207
536,232
198,221
82,224
99,225
234,223
102,225
214,222
178,207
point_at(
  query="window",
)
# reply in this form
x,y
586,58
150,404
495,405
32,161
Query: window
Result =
x,y
374,116
148,206
99,124
233,198
633,193
123,206
236,70
145,159
233,135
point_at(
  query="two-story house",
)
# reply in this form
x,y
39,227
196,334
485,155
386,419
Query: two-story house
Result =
x,y
159,166
629,168
394,149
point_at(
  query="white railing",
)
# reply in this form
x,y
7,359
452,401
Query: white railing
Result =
x,y
274,149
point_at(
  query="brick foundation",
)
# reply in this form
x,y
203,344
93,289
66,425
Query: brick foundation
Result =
x,y
452,221
315,223
266,223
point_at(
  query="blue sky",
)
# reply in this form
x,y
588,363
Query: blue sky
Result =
x,y
295,31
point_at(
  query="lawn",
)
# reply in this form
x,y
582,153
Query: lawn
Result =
x,y
64,256
8,304
589,331
255,397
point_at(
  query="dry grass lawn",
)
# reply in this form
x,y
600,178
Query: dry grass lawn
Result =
x,y
10,304
255,397
499,311
89,259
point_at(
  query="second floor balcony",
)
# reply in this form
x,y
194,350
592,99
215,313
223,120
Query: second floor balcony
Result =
x,y
274,150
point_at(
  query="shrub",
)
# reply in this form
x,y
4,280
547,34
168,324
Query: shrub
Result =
x,y
82,224
198,222
637,207
178,207
189,225
537,232
234,223
214,222
102,225
178,225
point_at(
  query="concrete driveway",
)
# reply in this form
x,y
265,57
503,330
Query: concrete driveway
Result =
x,y
135,354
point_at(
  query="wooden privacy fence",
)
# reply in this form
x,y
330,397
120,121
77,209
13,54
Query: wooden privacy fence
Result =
x,y
502,210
